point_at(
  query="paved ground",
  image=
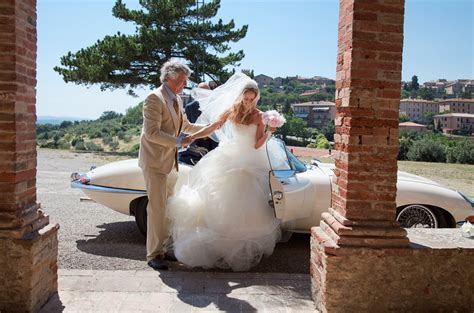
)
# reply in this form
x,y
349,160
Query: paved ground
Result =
x,y
144,291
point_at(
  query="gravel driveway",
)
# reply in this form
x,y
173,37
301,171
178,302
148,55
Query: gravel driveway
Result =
x,y
92,236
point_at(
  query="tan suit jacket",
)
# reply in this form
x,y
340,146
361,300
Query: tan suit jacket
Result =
x,y
161,126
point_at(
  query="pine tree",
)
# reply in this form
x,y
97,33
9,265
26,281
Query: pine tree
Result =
x,y
165,29
414,83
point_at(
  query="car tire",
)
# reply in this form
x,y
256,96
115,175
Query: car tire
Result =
x,y
141,215
421,216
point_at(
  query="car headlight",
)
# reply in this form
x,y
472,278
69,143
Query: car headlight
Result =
x,y
82,178
75,176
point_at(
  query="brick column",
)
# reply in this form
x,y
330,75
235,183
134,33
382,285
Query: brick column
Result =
x,y
362,217
28,243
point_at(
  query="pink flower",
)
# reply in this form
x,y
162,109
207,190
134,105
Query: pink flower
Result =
x,y
273,119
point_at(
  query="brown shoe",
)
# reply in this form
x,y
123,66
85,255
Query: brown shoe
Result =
x,y
158,263
169,256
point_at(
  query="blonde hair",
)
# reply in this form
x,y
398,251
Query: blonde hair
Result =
x,y
239,113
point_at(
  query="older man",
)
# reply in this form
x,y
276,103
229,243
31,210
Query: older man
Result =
x,y
163,122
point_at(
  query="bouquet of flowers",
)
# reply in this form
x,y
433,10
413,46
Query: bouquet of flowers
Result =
x,y
273,119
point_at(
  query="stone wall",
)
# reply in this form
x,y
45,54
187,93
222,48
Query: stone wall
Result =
x,y
28,269
436,274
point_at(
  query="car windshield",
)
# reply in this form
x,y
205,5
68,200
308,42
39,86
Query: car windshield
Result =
x,y
296,164
281,158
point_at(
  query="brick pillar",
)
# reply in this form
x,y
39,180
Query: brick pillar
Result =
x,y
362,217
28,243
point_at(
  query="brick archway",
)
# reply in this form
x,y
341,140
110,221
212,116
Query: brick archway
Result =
x,y
28,242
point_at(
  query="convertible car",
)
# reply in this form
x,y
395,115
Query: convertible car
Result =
x,y
299,192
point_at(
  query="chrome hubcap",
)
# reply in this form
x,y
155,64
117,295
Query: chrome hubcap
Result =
x,y
417,216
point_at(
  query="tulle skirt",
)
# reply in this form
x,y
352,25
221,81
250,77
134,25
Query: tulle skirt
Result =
x,y
221,218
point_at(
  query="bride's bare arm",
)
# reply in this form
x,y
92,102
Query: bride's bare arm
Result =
x,y
209,129
261,136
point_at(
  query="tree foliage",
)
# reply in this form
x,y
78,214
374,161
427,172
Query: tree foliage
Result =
x,y
414,83
134,115
164,29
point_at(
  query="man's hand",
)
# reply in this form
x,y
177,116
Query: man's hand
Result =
x,y
186,141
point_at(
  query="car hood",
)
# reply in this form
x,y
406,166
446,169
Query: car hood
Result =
x,y
415,178
121,174
125,174
328,169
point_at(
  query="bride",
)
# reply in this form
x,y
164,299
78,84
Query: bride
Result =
x,y
221,217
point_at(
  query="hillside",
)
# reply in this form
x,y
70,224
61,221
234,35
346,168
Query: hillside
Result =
x,y
115,132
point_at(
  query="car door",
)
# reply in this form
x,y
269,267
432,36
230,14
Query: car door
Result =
x,y
287,190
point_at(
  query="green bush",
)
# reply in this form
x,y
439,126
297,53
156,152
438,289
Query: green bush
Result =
x,y
63,144
121,135
49,145
80,145
114,145
425,150
107,140
134,150
322,142
91,146
462,153
405,144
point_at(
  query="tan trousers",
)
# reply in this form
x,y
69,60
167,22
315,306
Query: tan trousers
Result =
x,y
159,187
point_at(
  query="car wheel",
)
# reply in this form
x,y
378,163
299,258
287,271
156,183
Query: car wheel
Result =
x,y
141,215
420,216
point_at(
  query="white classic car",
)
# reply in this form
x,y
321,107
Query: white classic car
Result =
x,y
300,193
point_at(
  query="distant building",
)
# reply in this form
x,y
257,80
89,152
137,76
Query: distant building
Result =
x,y
278,81
457,106
452,88
453,122
417,109
316,113
438,84
458,86
410,126
263,80
311,92
316,80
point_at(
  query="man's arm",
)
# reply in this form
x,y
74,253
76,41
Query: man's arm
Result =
x,y
190,128
152,116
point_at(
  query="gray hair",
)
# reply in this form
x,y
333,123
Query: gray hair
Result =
x,y
172,68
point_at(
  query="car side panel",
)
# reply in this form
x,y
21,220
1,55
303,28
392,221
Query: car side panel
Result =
x,y
409,192
316,199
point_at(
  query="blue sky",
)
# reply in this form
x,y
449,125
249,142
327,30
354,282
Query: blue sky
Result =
x,y
285,38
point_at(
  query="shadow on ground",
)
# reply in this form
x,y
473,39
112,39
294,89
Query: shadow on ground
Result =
x,y
243,292
123,240
119,240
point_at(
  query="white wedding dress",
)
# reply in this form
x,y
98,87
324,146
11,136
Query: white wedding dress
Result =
x,y
221,218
